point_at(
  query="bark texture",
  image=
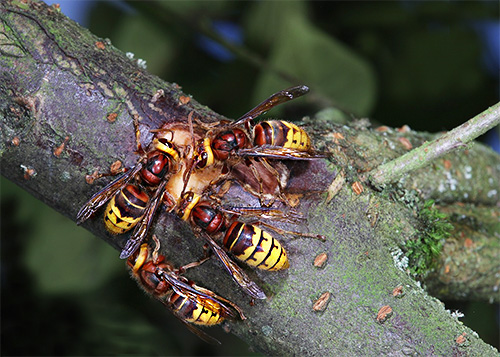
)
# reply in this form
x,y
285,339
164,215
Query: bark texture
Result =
x,y
67,103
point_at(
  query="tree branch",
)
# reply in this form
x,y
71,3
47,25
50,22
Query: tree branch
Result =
x,y
60,84
428,152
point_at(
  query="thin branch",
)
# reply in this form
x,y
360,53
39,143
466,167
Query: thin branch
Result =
x,y
429,151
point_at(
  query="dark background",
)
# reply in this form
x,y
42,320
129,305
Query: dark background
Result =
x,y
430,65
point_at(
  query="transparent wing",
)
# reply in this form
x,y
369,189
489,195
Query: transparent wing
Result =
x,y
281,153
239,276
103,196
194,294
141,230
280,97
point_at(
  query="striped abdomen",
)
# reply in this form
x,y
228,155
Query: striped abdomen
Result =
x,y
255,247
283,134
204,312
125,209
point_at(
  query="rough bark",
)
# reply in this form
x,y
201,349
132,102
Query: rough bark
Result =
x,y
61,84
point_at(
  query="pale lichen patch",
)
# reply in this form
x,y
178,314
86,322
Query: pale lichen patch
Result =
x,y
120,91
492,193
107,91
140,62
400,259
468,172
456,314
131,109
451,181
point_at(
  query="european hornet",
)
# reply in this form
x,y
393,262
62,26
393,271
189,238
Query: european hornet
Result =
x,y
275,139
247,242
134,204
191,304
209,221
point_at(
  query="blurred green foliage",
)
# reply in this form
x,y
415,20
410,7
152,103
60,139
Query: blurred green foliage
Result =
x,y
417,63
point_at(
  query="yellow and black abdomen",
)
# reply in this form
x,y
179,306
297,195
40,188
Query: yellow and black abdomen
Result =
x,y
204,312
125,209
283,134
255,247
